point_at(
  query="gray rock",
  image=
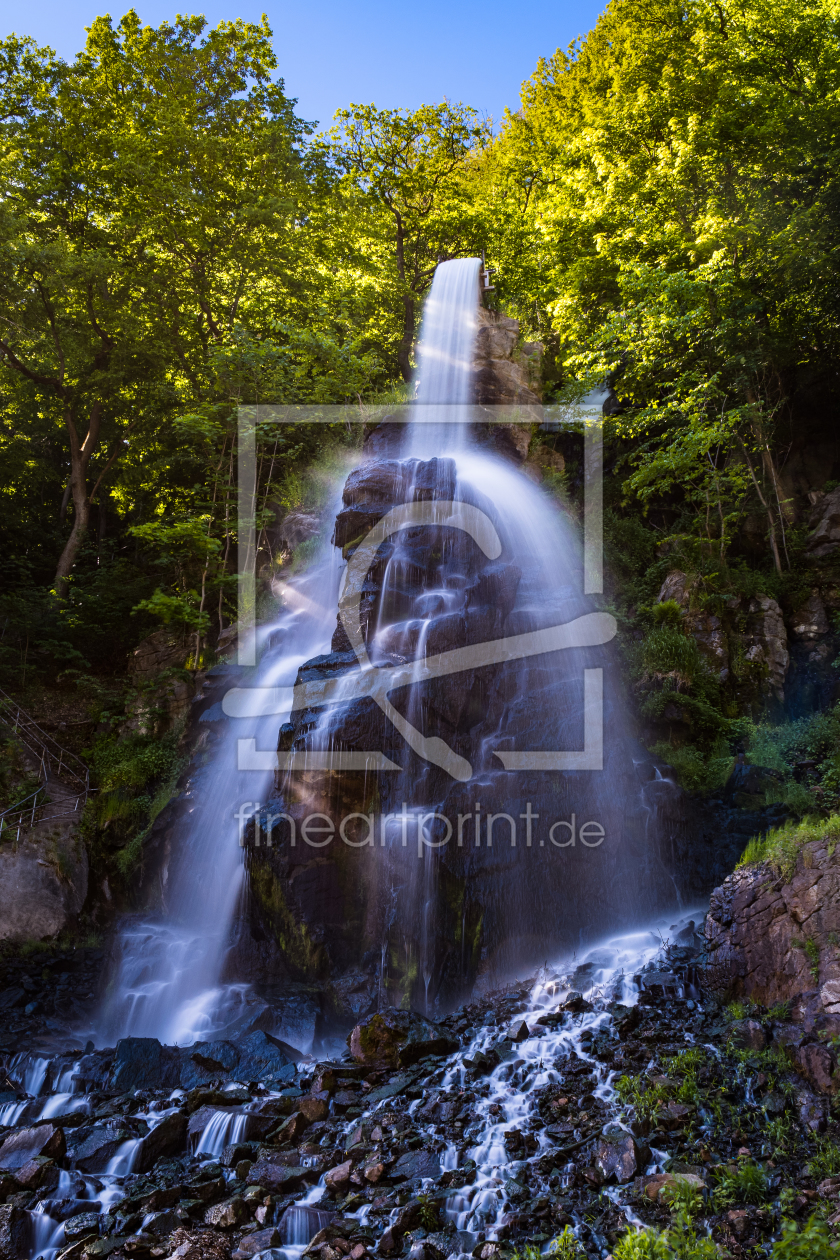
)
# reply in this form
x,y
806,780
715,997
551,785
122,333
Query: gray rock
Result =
x,y
618,1156
415,1165
749,1035
143,1063
37,898
76,1227
825,522
757,925
21,1147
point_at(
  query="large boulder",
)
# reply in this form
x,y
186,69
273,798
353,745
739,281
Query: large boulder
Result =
x,y
167,1138
14,1233
90,1147
393,1038
20,1148
143,1063
43,883
207,1061
266,1059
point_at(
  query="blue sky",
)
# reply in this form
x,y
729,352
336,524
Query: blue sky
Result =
x,y
380,51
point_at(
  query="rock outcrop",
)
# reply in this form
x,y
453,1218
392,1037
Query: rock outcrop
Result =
x,y
825,525
752,632
506,372
43,882
775,940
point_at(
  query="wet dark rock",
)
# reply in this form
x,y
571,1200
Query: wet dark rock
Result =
x,y
14,1233
274,1175
143,1063
61,1209
40,1173
416,1164
207,1061
167,1138
265,1059
161,1224
393,1038
90,1147
26,1144
81,1226
254,1243
338,1178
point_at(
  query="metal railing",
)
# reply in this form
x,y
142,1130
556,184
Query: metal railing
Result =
x,y
58,768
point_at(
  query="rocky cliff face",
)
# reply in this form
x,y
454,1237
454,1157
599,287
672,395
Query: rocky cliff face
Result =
x,y
775,939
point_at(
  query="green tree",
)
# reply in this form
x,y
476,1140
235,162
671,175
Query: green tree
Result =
x,y
408,174
151,194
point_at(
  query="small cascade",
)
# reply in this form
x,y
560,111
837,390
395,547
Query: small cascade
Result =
x,y
31,1071
123,1161
47,1233
224,1128
301,1222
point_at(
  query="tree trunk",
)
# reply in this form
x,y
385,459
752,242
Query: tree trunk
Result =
x,y
79,460
404,352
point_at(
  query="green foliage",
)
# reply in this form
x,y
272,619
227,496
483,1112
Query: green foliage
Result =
x,y
667,650
566,1246
780,748
744,1184
826,1161
136,777
813,1241
678,1242
696,770
683,1199
781,845
668,613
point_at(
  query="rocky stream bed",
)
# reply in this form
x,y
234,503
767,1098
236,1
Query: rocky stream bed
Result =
x,y
564,1113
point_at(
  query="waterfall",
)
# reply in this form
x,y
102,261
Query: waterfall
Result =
x,y
169,981
445,360
471,558
488,561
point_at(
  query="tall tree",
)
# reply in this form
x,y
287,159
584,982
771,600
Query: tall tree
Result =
x,y
149,191
414,166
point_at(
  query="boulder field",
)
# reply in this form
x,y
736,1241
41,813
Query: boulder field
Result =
x,y
569,1106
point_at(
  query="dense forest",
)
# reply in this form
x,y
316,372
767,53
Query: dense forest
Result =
x,y
660,213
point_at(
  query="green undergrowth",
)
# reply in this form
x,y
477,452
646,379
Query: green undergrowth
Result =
x,y
136,778
781,846
813,1241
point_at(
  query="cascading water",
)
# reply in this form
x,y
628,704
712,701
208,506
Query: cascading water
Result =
x,y
169,980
